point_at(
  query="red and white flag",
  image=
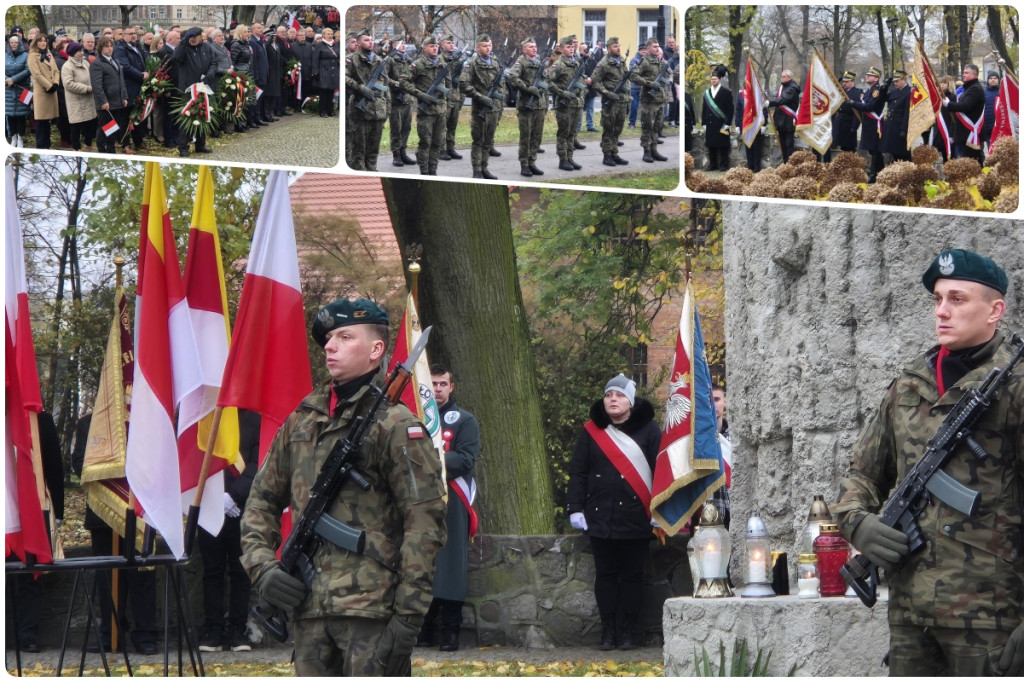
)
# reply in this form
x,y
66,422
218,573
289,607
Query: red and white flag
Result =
x,y
267,369
167,368
26,96
821,98
1007,109
753,106
24,528
111,127
208,308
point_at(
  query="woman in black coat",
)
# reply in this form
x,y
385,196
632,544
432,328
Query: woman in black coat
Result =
x,y
610,476
111,96
327,71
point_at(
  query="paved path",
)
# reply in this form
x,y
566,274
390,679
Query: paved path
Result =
x,y
507,167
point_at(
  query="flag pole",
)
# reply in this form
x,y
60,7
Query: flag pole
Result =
x,y
192,520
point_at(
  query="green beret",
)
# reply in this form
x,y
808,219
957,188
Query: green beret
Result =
x,y
849,76
364,32
450,36
567,40
965,265
429,40
611,41
874,71
526,41
483,38
342,313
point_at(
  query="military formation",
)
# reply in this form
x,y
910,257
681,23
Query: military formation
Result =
x,y
383,86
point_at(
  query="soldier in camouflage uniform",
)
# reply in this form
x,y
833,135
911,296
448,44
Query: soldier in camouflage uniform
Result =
x,y
956,607
477,77
363,611
367,123
455,98
351,45
653,97
531,105
401,107
614,105
568,105
431,112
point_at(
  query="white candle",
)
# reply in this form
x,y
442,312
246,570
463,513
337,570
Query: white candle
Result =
x,y
710,560
808,587
758,573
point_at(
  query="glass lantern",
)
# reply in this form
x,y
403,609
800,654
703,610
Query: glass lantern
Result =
x,y
807,576
818,513
758,560
713,550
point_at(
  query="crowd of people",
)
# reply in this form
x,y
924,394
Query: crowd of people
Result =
x,y
873,120
114,90
385,82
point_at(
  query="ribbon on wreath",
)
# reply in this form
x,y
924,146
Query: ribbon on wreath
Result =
x,y
296,76
240,93
199,96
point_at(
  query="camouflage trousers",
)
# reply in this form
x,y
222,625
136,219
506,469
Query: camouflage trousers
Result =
x,y
452,122
933,652
568,120
651,116
349,135
531,130
337,646
365,143
431,131
613,118
482,132
401,125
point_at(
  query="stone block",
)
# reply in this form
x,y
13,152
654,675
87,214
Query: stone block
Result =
x,y
521,608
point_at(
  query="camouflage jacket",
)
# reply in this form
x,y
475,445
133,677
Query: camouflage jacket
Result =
x,y
455,95
398,72
402,514
421,75
644,74
477,77
558,75
970,575
358,70
521,77
609,73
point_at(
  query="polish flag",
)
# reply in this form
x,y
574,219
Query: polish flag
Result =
x,y
24,528
111,127
267,369
26,96
167,368
208,307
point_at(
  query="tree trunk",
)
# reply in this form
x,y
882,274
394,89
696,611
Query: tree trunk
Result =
x,y
994,20
469,291
882,40
964,36
243,14
952,38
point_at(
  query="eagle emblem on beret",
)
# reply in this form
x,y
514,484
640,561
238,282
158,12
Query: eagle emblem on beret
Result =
x,y
946,264
324,317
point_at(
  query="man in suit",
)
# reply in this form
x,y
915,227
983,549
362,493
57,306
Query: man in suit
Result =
x,y
133,67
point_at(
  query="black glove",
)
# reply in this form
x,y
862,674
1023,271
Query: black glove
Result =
x,y
883,545
483,101
1011,661
52,89
395,645
424,97
279,589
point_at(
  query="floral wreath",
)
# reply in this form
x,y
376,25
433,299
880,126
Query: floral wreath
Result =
x,y
157,84
235,92
194,111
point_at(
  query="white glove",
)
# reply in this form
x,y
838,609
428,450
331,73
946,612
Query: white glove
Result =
x,y
945,101
231,507
655,523
703,128
578,521
764,130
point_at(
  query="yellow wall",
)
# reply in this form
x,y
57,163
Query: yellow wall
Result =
x,y
621,21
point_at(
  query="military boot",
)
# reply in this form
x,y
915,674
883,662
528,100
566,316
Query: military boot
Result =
x,y
658,157
573,163
619,161
608,160
407,159
493,152
454,154
535,170
398,161
445,156
525,171
647,156
576,145
488,175
563,164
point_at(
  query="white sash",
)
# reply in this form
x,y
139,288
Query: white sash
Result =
x,y
633,453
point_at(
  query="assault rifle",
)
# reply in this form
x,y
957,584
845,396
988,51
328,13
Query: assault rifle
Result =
x,y
496,83
666,69
437,86
538,80
374,84
575,82
315,525
927,479
625,79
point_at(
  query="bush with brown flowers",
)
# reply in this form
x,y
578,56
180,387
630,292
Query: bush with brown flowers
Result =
x,y
960,171
740,174
1007,201
847,160
988,185
925,155
696,180
687,161
800,187
892,196
802,156
957,198
905,177
846,192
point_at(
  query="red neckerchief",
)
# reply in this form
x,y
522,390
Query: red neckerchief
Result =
x,y
943,352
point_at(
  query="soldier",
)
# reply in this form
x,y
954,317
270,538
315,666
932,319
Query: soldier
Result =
x,y
431,112
351,46
871,104
653,97
786,103
455,99
714,119
897,117
531,105
568,105
846,121
607,76
956,607
578,58
479,74
401,109
363,611
461,435
370,109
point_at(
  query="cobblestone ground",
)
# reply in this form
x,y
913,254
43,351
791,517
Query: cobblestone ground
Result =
x,y
299,140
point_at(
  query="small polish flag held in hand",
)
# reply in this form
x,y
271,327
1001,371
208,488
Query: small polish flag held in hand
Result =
x,y
25,97
111,128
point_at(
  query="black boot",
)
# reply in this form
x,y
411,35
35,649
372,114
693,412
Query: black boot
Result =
x,y
619,161
608,160
574,164
525,170
454,154
449,641
576,145
628,639
565,165
647,156
478,175
408,159
535,170
607,635
444,155
493,152
397,160
487,175
426,636
658,157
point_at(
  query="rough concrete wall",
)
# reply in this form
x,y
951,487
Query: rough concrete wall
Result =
x,y
823,306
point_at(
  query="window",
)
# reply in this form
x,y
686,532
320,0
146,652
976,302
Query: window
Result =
x,y
152,12
647,24
594,26
637,358
177,14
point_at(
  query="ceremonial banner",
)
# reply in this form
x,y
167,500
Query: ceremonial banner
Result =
x,y
167,368
208,307
24,527
925,100
753,106
1007,111
267,369
821,98
689,468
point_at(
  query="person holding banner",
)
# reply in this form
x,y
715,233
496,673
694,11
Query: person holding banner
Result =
x,y
786,103
609,496
461,435
969,116
846,121
714,119
362,611
110,95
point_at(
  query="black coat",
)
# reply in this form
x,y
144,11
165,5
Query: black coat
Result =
x,y
238,485
845,123
971,104
260,68
194,64
303,51
871,102
327,65
713,123
134,63
241,56
107,85
278,55
789,96
596,488
897,116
